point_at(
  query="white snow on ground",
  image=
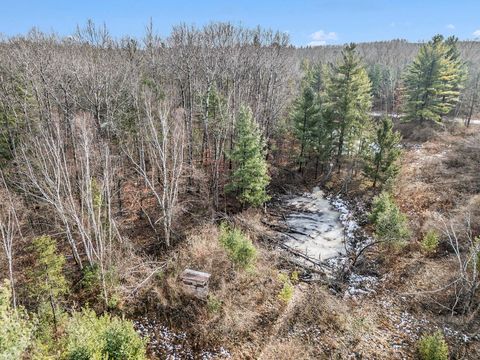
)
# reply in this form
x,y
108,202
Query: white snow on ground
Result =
x,y
169,345
360,285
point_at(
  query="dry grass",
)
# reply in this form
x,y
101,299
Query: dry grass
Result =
x,y
324,326
286,349
414,131
244,302
440,177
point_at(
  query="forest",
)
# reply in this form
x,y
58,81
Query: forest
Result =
x,y
125,161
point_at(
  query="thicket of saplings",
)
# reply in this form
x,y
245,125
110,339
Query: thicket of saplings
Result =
x,y
93,127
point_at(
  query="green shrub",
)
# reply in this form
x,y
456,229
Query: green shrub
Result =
x,y
114,301
239,247
46,277
214,305
80,353
46,344
430,241
104,337
433,347
389,222
15,327
122,342
286,293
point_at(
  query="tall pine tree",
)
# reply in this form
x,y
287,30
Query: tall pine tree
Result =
x,y
348,100
434,79
250,176
458,67
306,115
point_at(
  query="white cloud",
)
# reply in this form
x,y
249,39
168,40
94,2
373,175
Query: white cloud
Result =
x,y
450,26
321,37
476,33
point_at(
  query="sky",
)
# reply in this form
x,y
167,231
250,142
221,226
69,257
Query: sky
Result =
x,y
308,22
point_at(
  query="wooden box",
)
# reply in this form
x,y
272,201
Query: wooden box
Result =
x,y
195,283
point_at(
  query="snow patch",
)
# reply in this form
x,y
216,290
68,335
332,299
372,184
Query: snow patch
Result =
x,y
170,345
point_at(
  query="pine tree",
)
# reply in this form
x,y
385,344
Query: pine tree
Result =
x,y
250,176
15,327
306,115
348,100
453,54
49,283
324,137
390,224
433,80
313,130
382,160
458,68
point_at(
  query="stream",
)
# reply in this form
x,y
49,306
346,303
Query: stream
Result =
x,y
315,229
321,232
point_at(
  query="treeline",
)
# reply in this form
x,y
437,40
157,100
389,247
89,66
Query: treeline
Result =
x,y
332,116
386,62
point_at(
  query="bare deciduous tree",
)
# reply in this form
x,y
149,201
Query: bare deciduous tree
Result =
x,y
9,230
162,147
467,252
79,192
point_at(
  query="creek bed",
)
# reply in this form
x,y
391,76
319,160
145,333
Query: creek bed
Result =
x,y
315,229
321,232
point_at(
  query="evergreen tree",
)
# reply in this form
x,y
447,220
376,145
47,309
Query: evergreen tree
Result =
x,y
459,66
250,176
348,100
49,283
382,160
390,224
15,328
433,347
306,115
313,130
317,77
324,137
433,80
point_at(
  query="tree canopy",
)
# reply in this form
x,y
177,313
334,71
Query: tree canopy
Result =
x,y
433,80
